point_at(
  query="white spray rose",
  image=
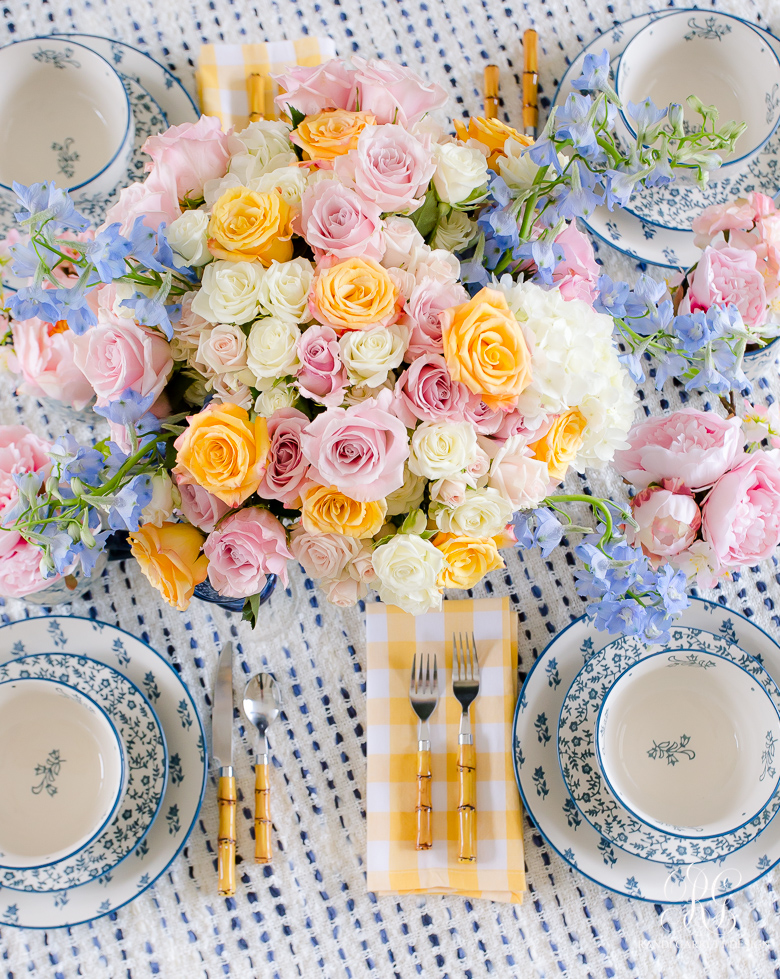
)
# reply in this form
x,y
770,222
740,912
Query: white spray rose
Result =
x,y
288,181
188,237
229,293
370,355
401,238
285,290
266,138
407,497
407,569
274,398
484,513
516,166
222,349
460,170
165,497
454,232
272,349
442,449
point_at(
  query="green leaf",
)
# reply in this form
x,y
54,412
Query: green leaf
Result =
x,y
295,116
426,216
383,540
251,608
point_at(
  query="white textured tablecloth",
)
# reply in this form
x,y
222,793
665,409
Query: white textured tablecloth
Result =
x,y
309,913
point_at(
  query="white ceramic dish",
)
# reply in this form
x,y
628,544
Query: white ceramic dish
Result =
x,y
64,117
591,795
187,767
683,54
551,808
144,748
688,745
62,769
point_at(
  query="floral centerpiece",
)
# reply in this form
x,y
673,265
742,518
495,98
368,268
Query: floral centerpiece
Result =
x,y
350,339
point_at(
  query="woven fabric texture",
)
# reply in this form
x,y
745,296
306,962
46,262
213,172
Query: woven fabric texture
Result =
x,y
309,913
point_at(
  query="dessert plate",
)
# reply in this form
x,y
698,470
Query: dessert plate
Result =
x,y
577,750
551,807
147,762
179,719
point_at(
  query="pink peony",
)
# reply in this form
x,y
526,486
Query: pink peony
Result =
x,y
393,93
421,315
45,359
426,392
517,476
155,200
668,519
20,566
337,221
322,376
189,155
696,447
198,505
390,167
247,546
732,216
361,449
741,518
728,275
20,452
576,276
286,468
311,89
121,355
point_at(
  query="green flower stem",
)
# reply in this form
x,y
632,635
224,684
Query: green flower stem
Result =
x,y
598,506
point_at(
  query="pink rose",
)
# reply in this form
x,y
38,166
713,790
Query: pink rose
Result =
x,y
121,355
393,93
426,392
696,447
742,512
190,154
485,420
728,275
198,505
390,167
324,556
311,89
20,452
360,449
402,239
337,221
421,315
734,215
155,200
20,566
517,476
668,519
322,376
247,546
45,358
576,276
450,492
345,592
286,468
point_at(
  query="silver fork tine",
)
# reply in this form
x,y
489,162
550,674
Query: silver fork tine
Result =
x,y
421,688
428,673
476,660
471,657
413,683
435,677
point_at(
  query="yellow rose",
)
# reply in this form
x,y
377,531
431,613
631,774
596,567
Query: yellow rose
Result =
x,y
485,348
492,134
560,445
224,451
247,226
468,559
168,556
326,511
355,295
331,133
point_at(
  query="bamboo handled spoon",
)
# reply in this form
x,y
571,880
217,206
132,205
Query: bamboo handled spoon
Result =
x,y
262,703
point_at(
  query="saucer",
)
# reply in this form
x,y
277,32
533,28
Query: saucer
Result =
x,y
549,805
577,750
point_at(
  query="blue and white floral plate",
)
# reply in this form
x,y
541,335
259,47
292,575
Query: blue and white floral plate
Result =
x,y
577,751
146,758
179,718
657,227
551,807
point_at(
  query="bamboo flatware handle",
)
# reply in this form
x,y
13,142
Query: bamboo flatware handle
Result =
x,y
467,804
226,854
424,807
530,81
256,94
262,814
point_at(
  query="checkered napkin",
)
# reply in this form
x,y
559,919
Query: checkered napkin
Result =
x,y
394,866
223,70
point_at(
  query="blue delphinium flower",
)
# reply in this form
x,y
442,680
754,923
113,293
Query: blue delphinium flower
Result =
x,y
549,531
546,256
146,245
46,202
522,521
578,199
574,121
129,502
108,253
149,311
76,311
645,114
612,297
77,461
34,301
595,73
127,409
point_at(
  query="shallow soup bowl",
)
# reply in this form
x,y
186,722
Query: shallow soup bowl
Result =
x,y
64,117
62,769
687,743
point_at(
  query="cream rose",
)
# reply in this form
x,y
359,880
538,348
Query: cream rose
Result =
x,y
454,232
370,355
401,239
165,497
222,349
274,398
460,170
289,182
407,569
484,513
285,290
272,349
409,496
265,139
230,292
188,237
442,449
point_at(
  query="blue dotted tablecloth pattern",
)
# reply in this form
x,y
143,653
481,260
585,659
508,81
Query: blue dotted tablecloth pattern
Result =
x,y
309,913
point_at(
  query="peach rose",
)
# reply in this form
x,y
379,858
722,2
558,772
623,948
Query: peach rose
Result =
x,y
559,447
490,133
485,348
247,226
468,559
330,133
224,451
170,558
355,295
327,511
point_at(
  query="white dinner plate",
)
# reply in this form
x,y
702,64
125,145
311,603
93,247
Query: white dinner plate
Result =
x,y
552,809
179,718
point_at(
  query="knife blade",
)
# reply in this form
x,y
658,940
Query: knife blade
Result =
x,y
222,753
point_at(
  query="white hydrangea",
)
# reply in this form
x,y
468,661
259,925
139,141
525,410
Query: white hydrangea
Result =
x,y
575,365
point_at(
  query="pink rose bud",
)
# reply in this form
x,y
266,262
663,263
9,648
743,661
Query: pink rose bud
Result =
x,y
728,275
668,520
45,358
20,452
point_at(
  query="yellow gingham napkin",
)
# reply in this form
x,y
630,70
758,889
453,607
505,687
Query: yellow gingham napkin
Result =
x,y
223,70
394,866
